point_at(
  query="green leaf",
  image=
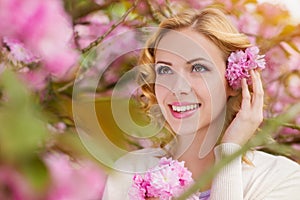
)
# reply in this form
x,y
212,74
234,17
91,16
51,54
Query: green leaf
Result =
x,y
22,130
35,171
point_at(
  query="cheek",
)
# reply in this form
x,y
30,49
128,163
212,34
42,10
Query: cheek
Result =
x,y
217,88
163,87
218,98
202,88
160,93
212,93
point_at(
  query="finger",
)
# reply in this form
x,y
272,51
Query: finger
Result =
x,y
258,94
256,82
246,95
260,88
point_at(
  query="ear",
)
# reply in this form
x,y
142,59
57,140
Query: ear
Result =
x,y
231,92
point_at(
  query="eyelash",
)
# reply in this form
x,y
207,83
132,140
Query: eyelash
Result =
x,y
195,68
160,69
198,65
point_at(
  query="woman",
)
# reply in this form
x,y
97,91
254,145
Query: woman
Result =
x,y
183,70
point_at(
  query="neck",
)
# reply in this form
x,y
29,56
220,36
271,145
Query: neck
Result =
x,y
197,165
197,151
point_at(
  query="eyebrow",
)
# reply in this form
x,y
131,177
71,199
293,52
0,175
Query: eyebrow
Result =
x,y
164,62
197,59
188,62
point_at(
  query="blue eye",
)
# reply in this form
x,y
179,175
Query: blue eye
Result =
x,y
199,68
164,70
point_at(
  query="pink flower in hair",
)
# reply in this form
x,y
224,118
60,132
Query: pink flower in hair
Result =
x,y
240,63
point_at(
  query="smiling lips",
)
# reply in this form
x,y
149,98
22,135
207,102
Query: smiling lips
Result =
x,y
181,110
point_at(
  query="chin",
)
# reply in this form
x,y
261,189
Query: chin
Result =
x,y
185,132
184,128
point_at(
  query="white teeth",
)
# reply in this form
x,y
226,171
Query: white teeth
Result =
x,y
185,108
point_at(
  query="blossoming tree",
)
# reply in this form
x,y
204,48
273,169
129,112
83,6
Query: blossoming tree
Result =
x,y
46,46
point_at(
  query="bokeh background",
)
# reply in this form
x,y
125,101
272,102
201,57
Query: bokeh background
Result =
x,y
46,45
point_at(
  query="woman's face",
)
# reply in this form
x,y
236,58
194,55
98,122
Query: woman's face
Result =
x,y
190,84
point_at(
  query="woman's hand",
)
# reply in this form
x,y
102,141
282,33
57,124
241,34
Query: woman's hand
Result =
x,y
250,115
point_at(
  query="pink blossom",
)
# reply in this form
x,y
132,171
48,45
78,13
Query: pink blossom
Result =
x,y
58,127
248,24
272,89
275,17
74,180
281,94
289,131
276,58
142,7
240,63
138,191
296,147
268,31
114,45
109,62
18,51
44,28
36,79
297,120
272,12
14,186
294,62
278,107
161,2
100,2
90,27
167,180
111,75
96,24
199,4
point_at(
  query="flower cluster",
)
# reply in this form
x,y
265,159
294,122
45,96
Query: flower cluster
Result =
x,y
74,180
34,39
240,63
168,179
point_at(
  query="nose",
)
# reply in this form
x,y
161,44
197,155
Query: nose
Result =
x,y
181,85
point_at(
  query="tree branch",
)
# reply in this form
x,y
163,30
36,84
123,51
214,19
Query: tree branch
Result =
x,y
83,8
292,126
156,15
114,26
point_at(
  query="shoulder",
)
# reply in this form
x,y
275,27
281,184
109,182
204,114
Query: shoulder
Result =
x,y
139,161
262,161
270,177
271,167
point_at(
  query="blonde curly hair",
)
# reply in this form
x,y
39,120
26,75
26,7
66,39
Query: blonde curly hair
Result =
x,y
210,22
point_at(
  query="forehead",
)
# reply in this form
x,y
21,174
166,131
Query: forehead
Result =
x,y
189,45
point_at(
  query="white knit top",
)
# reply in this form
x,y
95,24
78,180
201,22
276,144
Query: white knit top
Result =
x,y
271,177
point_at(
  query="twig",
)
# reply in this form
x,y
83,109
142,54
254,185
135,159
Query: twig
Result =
x,y
114,26
292,126
169,7
63,88
83,10
156,15
76,39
